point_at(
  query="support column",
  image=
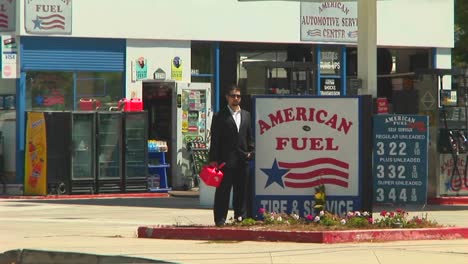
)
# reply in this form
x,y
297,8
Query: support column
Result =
x,y
367,46
442,59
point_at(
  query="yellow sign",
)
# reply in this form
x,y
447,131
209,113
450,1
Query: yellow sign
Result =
x,y
35,182
176,69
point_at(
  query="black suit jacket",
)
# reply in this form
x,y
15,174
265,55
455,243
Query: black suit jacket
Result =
x,y
227,144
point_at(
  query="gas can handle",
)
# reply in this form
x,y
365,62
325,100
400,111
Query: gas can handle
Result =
x,y
220,166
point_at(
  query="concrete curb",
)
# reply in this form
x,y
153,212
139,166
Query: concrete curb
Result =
x,y
32,256
374,235
87,196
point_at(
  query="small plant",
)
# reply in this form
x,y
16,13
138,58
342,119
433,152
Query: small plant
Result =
x,y
397,219
358,220
320,198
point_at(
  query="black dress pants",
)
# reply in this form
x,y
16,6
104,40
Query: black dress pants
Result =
x,y
234,178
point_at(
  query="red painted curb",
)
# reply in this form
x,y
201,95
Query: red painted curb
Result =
x,y
461,200
375,235
381,235
87,196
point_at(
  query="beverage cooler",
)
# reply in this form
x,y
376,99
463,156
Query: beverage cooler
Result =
x,y
90,152
136,147
83,152
70,149
109,152
58,155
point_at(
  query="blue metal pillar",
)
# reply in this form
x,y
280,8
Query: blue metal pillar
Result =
x,y
344,83
20,126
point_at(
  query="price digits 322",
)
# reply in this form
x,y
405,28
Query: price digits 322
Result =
x,y
394,148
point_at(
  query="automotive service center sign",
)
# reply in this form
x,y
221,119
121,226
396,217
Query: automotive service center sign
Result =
x,y
302,142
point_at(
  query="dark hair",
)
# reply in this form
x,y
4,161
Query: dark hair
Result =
x,y
232,87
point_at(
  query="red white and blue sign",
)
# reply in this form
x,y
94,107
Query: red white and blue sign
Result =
x,y
301,143
48,16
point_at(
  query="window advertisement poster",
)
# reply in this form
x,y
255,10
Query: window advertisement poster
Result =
x,y
330,61
453,175
35,155
330,86
48,16
176,69
302,143
9,62
329,21
400,159
141,69
7,15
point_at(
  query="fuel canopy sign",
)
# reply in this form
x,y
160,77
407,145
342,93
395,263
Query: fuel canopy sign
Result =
x,y
301,143
400,159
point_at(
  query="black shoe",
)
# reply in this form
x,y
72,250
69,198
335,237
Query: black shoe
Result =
x,y
220,223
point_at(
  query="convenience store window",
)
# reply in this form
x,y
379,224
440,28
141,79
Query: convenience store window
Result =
x,y
62,91
202,57
274,72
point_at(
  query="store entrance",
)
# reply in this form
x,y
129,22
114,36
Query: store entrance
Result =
x,y
157,101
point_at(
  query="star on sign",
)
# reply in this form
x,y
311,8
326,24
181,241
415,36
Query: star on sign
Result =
x,y
275,174
448,186
37,23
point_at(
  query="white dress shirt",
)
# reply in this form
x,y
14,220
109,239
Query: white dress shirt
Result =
x,y
236,115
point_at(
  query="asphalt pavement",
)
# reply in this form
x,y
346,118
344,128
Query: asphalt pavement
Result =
x,y
107,227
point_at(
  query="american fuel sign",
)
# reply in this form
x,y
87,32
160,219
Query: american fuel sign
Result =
x,y
301,143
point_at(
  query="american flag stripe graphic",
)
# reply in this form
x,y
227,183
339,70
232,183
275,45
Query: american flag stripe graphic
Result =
x,y
3,20
317,173
52,21
315,183
309,163
314,172
314,33
353,34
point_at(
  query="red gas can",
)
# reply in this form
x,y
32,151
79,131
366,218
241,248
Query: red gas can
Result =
x,y
128,105
136,104
89,104
212,176
124,104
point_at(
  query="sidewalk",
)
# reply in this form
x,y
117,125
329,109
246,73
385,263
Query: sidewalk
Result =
x,y
108,226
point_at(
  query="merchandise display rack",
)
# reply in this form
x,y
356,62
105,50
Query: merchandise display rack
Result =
x,y
198,152
157,167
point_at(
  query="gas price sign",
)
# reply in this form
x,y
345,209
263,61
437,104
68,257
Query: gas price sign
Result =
x,y
400,159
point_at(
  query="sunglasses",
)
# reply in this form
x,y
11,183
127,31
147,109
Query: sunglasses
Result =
x,y
235,96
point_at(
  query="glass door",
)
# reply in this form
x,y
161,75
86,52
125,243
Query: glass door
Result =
x,y
109,145
136,142
83,146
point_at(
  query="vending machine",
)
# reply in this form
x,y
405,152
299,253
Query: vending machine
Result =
x,y
194,114
179,114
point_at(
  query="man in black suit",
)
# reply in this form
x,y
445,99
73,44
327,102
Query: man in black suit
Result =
x,y
232,144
